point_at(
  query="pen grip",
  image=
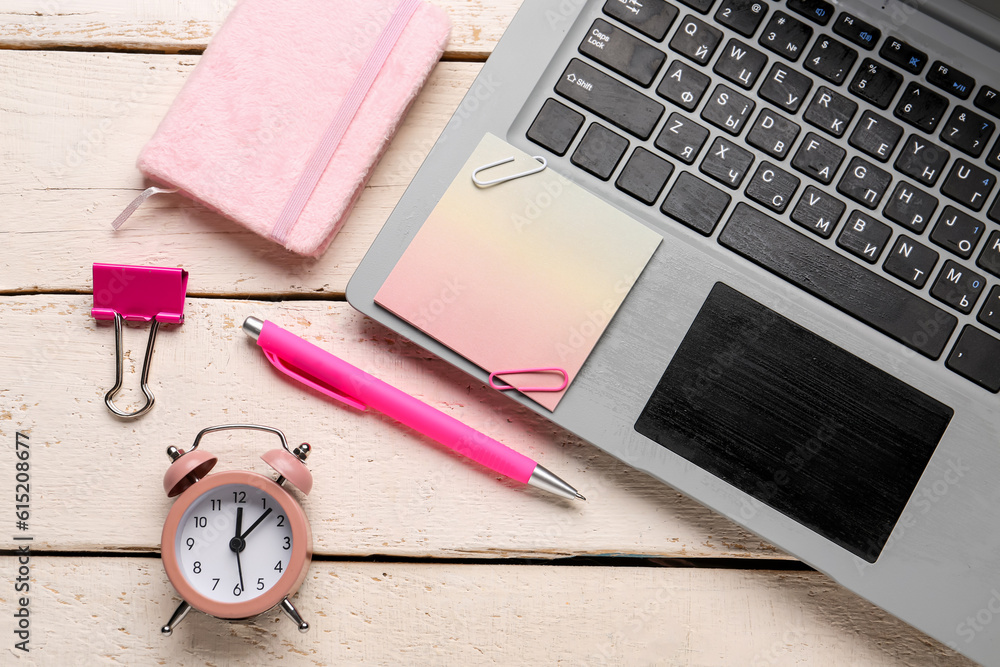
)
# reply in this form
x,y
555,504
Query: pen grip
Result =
x,y
324,368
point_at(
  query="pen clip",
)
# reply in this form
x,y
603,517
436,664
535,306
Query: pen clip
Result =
x,y
310,381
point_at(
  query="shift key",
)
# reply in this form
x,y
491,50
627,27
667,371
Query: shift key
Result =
x,y
609,98
839,281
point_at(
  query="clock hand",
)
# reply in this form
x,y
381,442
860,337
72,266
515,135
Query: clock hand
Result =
x,y
239,521
237,544
256,523
239,568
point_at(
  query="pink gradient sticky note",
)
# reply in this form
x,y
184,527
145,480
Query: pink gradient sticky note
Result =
x,y
523,274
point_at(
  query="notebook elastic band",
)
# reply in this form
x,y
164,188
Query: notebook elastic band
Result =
x,y
320,158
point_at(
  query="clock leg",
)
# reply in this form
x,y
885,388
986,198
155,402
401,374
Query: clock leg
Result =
x,y
177,617
286,606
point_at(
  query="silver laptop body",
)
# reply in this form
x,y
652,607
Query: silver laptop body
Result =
x,y
917,530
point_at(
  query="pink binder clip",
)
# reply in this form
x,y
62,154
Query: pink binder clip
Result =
x,y
138,294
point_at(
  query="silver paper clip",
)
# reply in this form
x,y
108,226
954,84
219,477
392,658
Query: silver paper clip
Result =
x,y
504,179
137,293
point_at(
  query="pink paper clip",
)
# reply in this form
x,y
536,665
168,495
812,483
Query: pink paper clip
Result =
x,y
507,386
138,294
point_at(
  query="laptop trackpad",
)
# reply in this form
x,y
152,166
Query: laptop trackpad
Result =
x,y
794,421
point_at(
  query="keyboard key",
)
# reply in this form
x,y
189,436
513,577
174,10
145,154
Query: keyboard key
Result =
x,y
902,54
818,11
740,64
864,237
949,79
988,100
831,59
599,151
839,281
773,134
652,18
857,31
967,131
993,157
957,231
785,87
864,183
728,110
818,212
682,138
976,357
695,203
910,262
683,85
609,98
818,158
910,207
786,36
727,163
921,107
989,258
743,16
876,83
922,160
701,5
620,52
772,187
968,184
876,136
555,126
958,287
644,176
830,111
990,314
696,39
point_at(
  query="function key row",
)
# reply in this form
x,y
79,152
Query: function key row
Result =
x,y
787,36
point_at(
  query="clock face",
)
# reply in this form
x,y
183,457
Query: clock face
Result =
x,y
233,543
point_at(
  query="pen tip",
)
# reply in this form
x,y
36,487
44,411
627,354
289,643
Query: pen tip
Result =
x,y
580,496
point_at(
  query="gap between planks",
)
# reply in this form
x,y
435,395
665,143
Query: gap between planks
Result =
x,y
392,613
187,26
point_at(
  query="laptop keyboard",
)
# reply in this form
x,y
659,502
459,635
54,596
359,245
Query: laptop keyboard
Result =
x,y
688,104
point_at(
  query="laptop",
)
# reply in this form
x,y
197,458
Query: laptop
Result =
x,y
814,348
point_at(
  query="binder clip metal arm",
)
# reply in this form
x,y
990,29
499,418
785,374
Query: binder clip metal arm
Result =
x,y
143,294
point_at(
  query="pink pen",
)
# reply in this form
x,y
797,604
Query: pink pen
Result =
x,y
317,368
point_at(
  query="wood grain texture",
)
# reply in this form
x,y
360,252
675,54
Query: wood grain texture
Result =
x,y
171,26
422,614
73,125
380,488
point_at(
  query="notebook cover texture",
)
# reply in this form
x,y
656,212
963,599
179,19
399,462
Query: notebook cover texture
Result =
x,y
240,134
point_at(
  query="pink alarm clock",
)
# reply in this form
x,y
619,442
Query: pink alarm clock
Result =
x,y
236,544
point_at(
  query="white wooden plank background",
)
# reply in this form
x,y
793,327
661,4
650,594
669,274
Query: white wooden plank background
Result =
x,y
71,125
187,25
379,488
424,614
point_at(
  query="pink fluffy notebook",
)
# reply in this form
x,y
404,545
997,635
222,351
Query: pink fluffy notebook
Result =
x,y
283,120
